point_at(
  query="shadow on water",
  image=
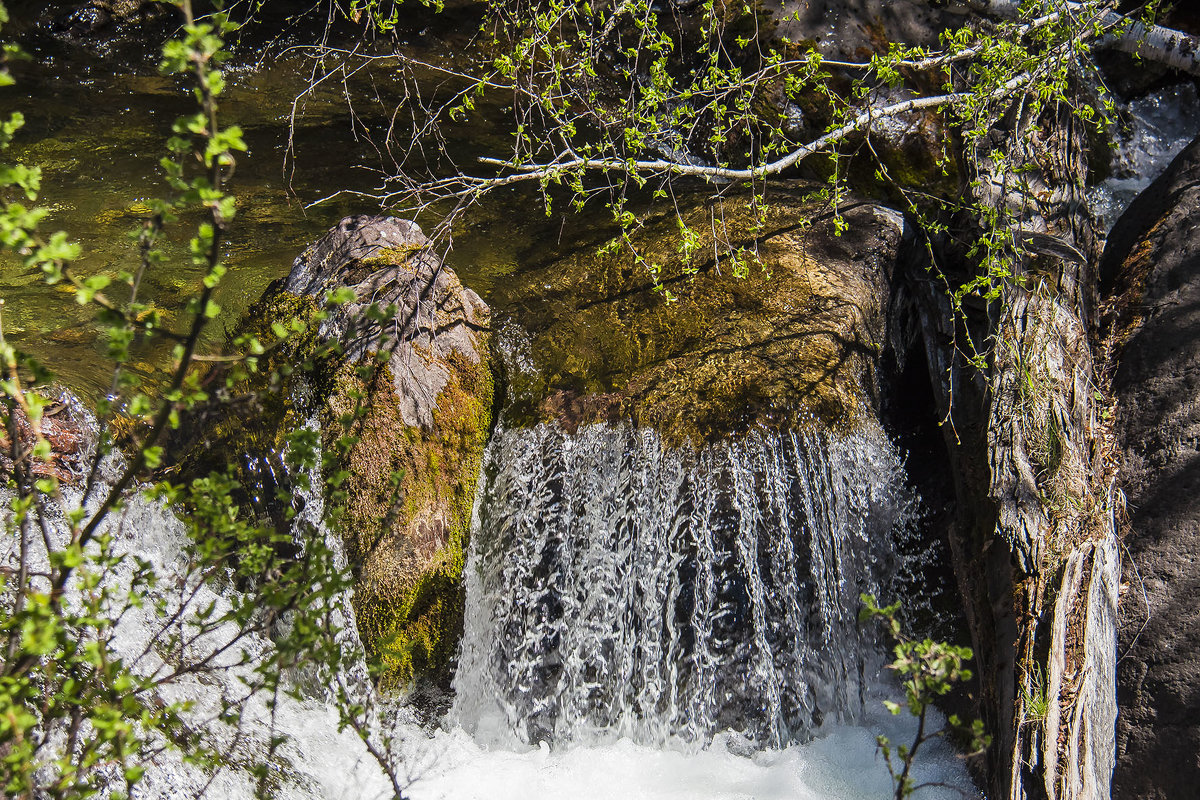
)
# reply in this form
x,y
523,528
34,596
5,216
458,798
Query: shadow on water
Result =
x,y
97,121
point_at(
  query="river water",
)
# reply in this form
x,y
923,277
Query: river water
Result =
x,y
732,670
668,624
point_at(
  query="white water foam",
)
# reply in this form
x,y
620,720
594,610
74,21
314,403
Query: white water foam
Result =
x,y
631,604
321,760
1160,125
840,764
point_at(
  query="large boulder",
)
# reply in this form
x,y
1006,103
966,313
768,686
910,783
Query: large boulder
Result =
x,y
404,400
738,322
1152,270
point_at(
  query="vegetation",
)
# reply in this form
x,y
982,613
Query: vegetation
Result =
x,y
245,609
629,105
626,104
927,671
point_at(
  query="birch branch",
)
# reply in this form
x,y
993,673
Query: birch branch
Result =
x,y
1173,48
859,123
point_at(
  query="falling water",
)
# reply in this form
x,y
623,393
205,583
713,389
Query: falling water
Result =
x,y
669,618
621,589
1160,125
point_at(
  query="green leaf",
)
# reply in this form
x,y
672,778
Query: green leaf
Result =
x,y
153,457
341,296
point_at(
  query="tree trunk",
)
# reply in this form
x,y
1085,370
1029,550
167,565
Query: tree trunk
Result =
x,y
1034,544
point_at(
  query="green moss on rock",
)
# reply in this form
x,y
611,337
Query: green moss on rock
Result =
x,y
774,320
407,509
404,492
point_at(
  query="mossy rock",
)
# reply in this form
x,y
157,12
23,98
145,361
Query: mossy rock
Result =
x,y
778,324
405,408
408,498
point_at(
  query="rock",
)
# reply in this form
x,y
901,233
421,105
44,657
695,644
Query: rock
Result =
x,y
419,424
436,317
780,327
91,18
81,21
856,29
70,432
1151,267
913,148
95,34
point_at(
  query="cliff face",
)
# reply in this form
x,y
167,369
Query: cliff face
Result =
x,y
1152,268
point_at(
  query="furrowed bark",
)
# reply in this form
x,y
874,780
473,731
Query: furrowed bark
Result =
x,y
1033,542
1050,477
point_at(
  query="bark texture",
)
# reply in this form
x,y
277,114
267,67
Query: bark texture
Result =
x,y
1034,543
1049,478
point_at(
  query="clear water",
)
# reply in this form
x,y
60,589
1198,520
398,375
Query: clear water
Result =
x,y
98,128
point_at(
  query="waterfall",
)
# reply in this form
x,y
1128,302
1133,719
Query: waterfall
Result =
x,y
621,589
1161,124
672,620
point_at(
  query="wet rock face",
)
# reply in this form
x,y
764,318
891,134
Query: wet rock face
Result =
x,y
95,34
854,29
779,326
1152,264
912,147
404,402
81,21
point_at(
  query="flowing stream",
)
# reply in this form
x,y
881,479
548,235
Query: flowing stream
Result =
x,y
1159,126
641,622
645,622
655,623
618,588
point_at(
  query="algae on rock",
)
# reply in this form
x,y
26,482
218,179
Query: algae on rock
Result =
x,y
778,323
400,379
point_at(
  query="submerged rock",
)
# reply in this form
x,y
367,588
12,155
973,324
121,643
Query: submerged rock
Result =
x,y
855,29
66,427
81,21
744,325
1152,263
404,399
